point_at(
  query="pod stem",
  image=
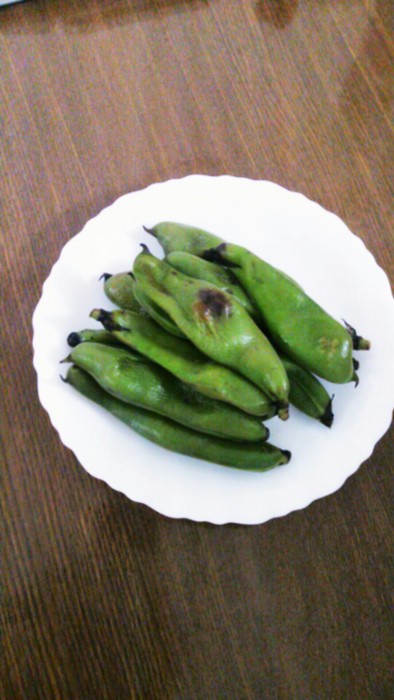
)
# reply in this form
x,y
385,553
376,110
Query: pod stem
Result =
x,y
328,417
215,255
359,343
73,339
145,249
66,359
283,412
106,319
105,276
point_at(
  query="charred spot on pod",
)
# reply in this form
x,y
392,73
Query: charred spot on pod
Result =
x,y
216,255
212,303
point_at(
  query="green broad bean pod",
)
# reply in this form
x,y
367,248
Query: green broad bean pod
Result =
x,y
119,288
185,361
91,335
215,323
254,456
145,384
298,326
123,291
155,312
308,394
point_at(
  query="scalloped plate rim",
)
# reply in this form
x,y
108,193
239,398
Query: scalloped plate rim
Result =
x,y
383,421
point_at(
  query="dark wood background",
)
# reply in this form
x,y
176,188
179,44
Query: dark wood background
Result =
x,y
104,598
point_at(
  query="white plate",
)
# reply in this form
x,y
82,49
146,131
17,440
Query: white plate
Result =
x,y
289,231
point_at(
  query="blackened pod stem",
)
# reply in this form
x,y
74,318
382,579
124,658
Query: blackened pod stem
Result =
x,y
359,343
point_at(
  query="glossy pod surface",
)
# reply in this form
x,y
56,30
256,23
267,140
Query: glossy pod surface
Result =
x,y
184,360
174,236
155,312
91,335
298,326
255,456
119,289
216,323
145,384
200,269
123,291
308,394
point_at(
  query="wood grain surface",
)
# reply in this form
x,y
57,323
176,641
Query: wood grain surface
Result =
x,y
103,598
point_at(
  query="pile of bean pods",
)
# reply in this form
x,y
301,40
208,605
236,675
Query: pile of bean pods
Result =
x,y
206,345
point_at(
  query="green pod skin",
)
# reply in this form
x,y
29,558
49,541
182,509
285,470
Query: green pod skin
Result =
x,y
298,326
215,323
119,289
145,384
155,312
254,456
123,291
174,236
308,394
185,361
200,269
91,335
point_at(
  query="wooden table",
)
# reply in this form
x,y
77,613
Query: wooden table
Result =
x,y
105,598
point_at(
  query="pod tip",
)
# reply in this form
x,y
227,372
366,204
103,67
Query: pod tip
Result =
x,y
105,276
73,339
98,315
106,318
66,359
328,417
286,455
283,412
